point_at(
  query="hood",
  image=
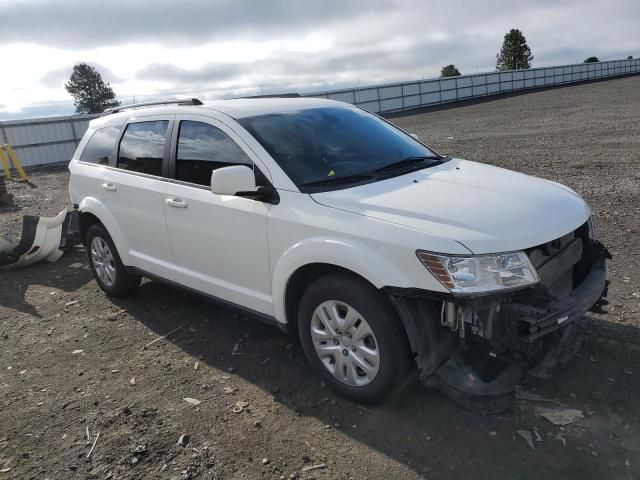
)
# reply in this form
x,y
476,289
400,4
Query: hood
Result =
x,y
487,209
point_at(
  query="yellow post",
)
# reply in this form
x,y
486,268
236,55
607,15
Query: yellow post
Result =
x,y
5,165
15,161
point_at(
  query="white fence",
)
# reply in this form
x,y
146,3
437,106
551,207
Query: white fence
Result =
x,y
395,97
54,139
44,140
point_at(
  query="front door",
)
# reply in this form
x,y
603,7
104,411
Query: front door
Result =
x,y
219,241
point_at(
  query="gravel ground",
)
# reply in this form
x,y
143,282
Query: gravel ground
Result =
x,y
72,362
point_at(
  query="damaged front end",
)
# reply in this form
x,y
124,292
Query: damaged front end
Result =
x,y
484,344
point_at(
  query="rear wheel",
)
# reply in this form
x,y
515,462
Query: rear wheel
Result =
x,y
106,266
353,337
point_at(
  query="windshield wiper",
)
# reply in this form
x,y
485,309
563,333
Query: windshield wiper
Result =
x,y
336,180
406,162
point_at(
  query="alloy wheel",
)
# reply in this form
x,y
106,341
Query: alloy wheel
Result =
x,y
103,261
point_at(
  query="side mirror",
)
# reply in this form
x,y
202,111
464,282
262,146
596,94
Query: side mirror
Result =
x,y
233,179
240,181
415,135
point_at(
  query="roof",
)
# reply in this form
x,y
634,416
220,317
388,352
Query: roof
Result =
x,y
250,107
235,108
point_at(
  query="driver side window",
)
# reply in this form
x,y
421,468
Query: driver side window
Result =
x,y
203,148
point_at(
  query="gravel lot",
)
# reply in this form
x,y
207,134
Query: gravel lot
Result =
x,y
72,362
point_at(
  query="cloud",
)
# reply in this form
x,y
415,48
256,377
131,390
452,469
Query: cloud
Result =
x,y
74,23
288,69
59,76
209,72
225,48
38,110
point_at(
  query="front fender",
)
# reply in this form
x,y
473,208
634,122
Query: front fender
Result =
x,y
95,207
353,256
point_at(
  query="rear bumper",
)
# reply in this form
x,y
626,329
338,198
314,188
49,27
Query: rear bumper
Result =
x,y
40,240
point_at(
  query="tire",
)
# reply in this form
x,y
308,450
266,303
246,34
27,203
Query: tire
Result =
x,y
332,303
106,266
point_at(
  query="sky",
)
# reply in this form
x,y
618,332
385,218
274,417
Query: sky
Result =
x,y
224,48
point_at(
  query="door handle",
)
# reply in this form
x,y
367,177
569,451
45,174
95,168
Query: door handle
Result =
x,y
176,202
109,187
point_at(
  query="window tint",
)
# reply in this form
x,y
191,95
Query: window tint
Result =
x,y
98,149
203,148
317,144
142,147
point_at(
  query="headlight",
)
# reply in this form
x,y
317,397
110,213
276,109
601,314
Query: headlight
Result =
x,y
482,273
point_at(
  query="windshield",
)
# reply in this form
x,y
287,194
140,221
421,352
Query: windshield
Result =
x,y
346,145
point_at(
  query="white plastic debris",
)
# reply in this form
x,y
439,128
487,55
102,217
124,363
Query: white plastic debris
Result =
x,y
560,416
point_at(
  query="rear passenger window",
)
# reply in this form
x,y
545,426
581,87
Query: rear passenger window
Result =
x,y
203,148
98,149
142,147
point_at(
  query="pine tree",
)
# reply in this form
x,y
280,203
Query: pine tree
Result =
x,y
449,71
515,53
90,93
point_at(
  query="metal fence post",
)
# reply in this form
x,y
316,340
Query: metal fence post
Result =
x,y
73,132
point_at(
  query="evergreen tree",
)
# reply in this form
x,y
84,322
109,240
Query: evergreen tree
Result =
x,y
449,71
515,53
90,93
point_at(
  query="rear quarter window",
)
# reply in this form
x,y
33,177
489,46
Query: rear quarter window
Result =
x,y
100,146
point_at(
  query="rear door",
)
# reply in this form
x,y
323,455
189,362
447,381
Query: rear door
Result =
x,y
88,171
136,189
219,241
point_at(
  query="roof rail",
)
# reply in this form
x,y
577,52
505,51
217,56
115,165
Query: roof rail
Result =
x,y
275,95
182,101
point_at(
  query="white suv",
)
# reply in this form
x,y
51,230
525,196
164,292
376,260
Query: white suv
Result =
x,y
321,218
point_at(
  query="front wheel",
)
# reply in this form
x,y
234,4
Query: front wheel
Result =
x,y
353,337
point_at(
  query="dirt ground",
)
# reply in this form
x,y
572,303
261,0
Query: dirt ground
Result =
x,y
72,362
